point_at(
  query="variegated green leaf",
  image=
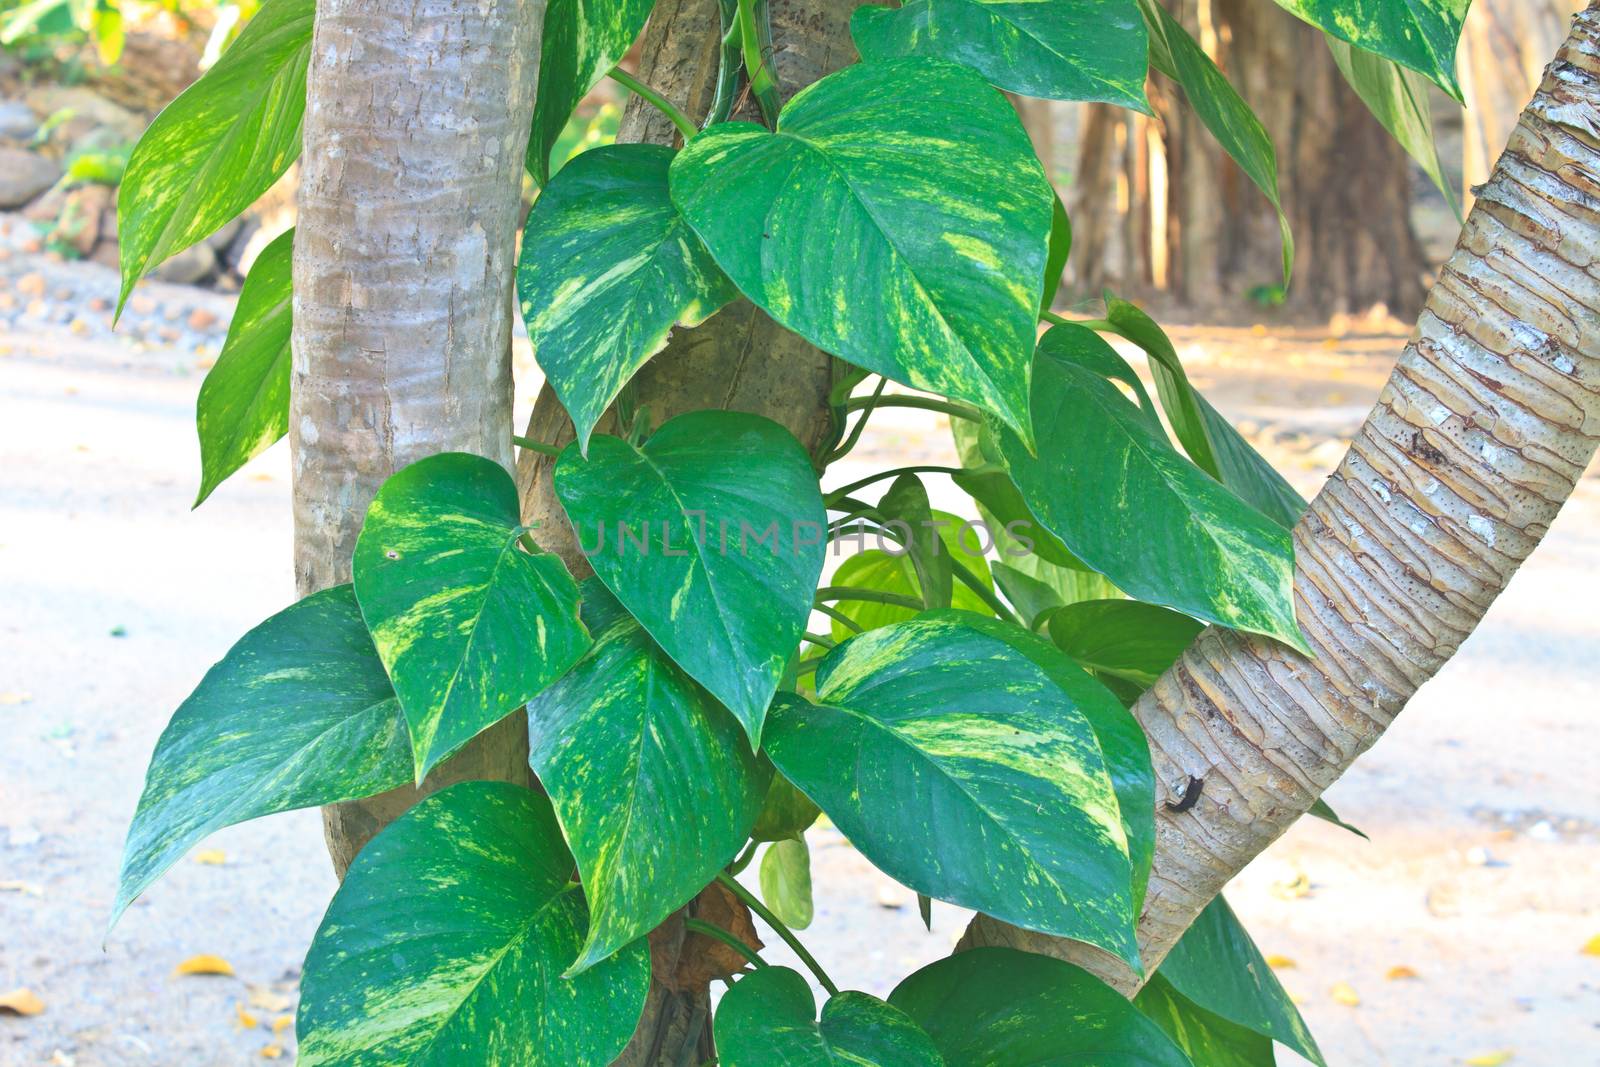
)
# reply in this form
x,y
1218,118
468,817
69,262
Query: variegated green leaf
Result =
x,y
216,148
1208,437
896,218
1132,640
582,41
905,510
1220,107
652,780
1208,1040
964,769
1059,250
710,533
1421,34
298,713
892,570
469,625
446,943
244,402
988,1007
786,813
1398,98
607,268
1058,49
769,1018
1217,967
785,877
1112,488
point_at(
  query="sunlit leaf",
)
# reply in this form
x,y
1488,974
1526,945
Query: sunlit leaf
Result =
x,y
770,1018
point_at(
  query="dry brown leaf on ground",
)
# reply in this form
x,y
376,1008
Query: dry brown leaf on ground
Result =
x,y
21,1002
1490,1059
1591,947
246,1020
1344,994
268,999
204,964
211,857
271,1052
282,1023
1401,972
1280,963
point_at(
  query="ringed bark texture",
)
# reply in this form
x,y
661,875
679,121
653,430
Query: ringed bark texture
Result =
x,y
1483,430
416,121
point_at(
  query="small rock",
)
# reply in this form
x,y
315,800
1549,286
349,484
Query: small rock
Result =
x,y
90,111
169,334
202,319
23,176
141,304
17,121
889,896
107,253
31,284
1543,831
99,303
193,264
47,207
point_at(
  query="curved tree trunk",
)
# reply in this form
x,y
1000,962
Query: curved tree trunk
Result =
x,y
416,121
738,360
1187,221
1480,435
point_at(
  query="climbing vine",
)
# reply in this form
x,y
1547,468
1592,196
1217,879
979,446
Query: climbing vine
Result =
x,y
954,701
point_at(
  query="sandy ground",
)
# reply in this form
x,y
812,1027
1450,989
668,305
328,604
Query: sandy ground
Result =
x,y
1482,802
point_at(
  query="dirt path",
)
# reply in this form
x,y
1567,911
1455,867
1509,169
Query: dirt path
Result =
x,y
1481,803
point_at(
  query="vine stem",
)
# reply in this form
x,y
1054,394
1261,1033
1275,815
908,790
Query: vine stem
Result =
x,y
846,490
742,860
732,885
925,403
838,616
535,446
667,108
700,926
847,592
861,423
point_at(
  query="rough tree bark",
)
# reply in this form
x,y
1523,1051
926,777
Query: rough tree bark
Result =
x,y
1483,430
416,121
738,360
1189,222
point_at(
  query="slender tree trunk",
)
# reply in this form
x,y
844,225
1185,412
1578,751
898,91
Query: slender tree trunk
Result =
x,y
1483,430
416,121
738,360
1195,225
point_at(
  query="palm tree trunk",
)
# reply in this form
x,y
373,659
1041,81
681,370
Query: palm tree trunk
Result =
x,y
1483,430
416,121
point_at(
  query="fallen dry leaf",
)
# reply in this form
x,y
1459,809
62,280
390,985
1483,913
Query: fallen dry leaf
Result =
x,y
21,1002
246,1020
211,857
271,1052
1591,947
282,1023
1490,1059
1280,963
204,964
1295,888
1343,994
268,999
1400,972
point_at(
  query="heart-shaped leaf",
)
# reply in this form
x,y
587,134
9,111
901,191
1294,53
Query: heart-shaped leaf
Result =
x,y
963,769
770,1017
1207,1039
785,877
1058,49
607,268
897,218
1217,967
1398,98
244,402
1129,639
468,624
216,148
711,534
653,781
582,41
298,713
446,944
1422,34
987,1007
1109,484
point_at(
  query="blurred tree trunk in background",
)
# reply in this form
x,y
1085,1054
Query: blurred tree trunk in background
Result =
x,y
1187,220
1504,48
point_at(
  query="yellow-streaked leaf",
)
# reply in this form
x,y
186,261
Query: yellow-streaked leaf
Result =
x,y
21,1002
1401,972
211,857
1490,1059
204,964
1343,994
